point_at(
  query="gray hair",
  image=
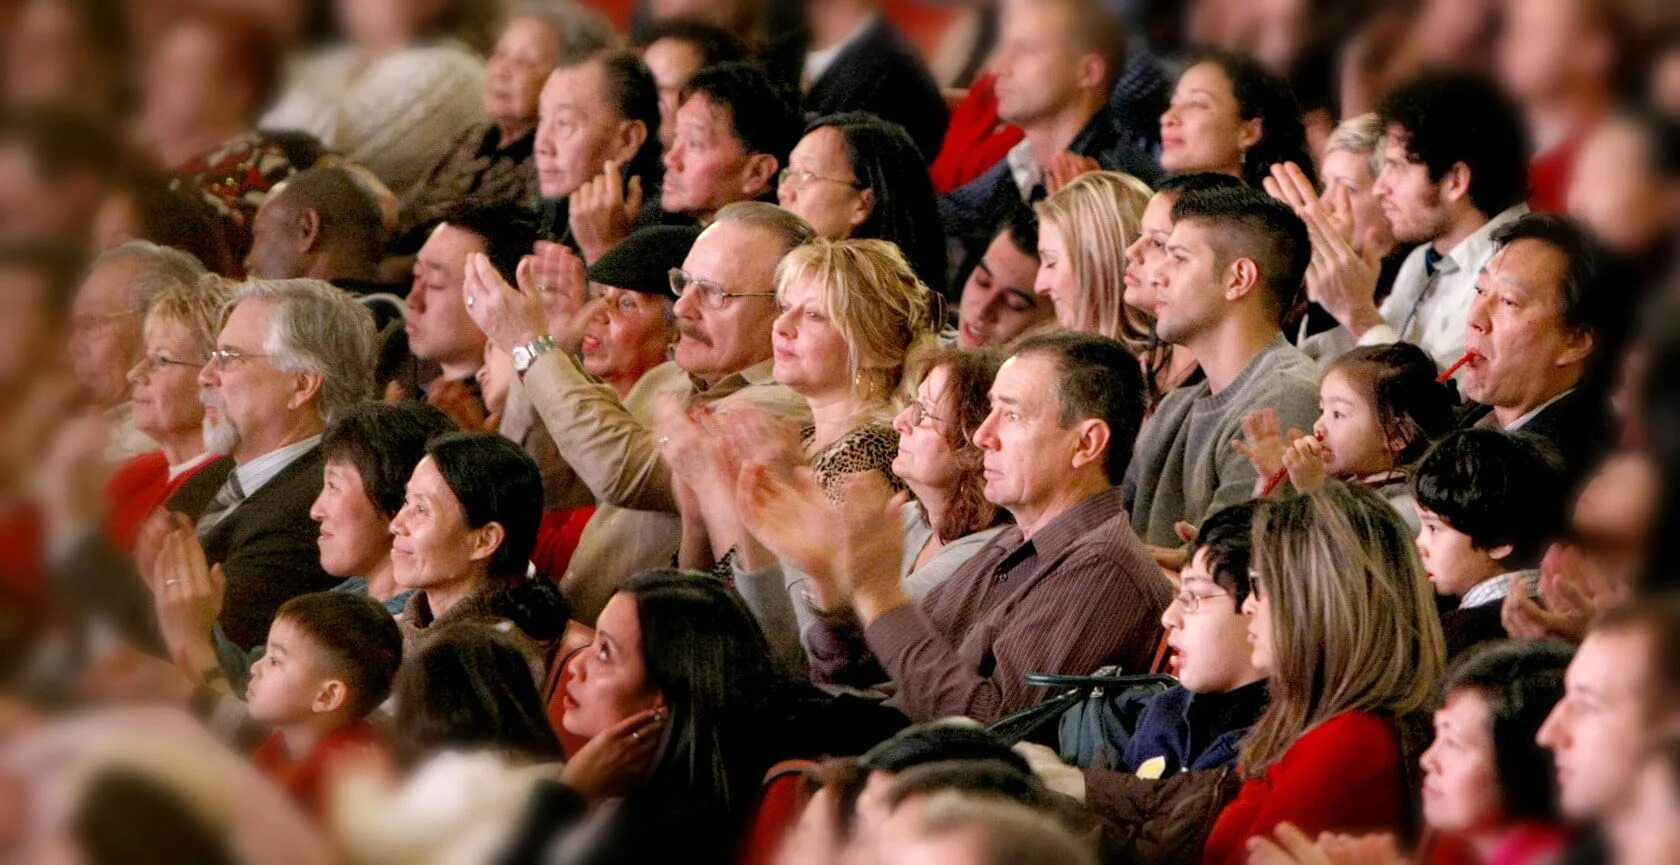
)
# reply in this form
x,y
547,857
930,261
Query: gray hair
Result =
x,y
155,268
581,29
787,226
1361,134
318,328
1008,833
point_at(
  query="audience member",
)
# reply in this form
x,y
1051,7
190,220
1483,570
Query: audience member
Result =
x,y
1544,318
999,303
54,169
674,50
635,329
925,744
330,660
856,60
1447,192
147,204
1645,831
106,329
959,830
65,52
394,97
1229,115
725,313
1064,408
321,224
1625,188
472,745
1489,503
1380,407
463,539
1344,625
1233,267
670,697
1056,63
734,130
854,175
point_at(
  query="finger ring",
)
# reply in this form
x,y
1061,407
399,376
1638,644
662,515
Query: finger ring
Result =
x,y
170,582
664,440
544,287
470,301
636,735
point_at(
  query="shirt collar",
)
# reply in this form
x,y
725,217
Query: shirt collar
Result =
x,y
1496,588
176,471
1478,247
257,472
1077,521
759,373
1520,422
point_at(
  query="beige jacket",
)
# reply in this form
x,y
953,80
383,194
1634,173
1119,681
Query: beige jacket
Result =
x,y
612,447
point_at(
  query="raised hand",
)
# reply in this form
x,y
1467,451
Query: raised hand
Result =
x,y
1304,459
189,593
602,211
1572,591
1290,846
788,512
558,278
871,544
617,759
1263,444
508,316
1340,278
1065,168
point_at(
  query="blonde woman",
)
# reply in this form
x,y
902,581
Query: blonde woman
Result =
x,y
1084,232
1343,622
851,312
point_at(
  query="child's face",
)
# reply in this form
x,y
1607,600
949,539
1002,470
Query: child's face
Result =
x,y
1210,650
288,684
1454,563
1353,437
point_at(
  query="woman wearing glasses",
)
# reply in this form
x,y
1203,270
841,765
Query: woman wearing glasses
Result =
x,y
855,175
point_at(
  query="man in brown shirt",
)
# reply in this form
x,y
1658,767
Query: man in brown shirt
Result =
x,y
1067,589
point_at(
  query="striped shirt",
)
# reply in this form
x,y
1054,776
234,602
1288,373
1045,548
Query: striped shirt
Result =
x,y
1081,594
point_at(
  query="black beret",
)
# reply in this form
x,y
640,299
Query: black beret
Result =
x,y
642,262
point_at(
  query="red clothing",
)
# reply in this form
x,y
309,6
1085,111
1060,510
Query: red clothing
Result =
x,y
1526,844
557,539
975,140
1345,775
139,487
23,584
305,780
1549,173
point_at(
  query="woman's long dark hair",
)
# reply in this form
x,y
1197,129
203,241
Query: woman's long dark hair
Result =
x,y
886,161
494,481
706,656
969,373
470,688
1261,94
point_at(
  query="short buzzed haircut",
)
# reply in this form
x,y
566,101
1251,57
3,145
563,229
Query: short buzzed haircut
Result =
x,y
1248,223
762,115
1096,377
358,639
1096,29
1004,832
349,216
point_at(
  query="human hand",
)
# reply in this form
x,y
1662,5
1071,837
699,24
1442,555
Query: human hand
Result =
x,y
558,278
788,512
603,210
871,544
508,316
1572,591
617,759
1340,278
1065,168
1304,459
1264,445
189,592
1290,846
456,399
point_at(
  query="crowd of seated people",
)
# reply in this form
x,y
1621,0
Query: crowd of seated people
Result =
x,y
849,432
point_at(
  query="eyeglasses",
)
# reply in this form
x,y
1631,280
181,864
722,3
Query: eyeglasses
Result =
x,y
919,413
800,178
153,362
1192,602
101,321
712,295
227,356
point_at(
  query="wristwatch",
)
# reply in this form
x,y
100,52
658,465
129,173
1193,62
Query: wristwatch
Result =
x,y
527,354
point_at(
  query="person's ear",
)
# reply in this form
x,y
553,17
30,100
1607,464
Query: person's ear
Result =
x,y
865,206
1501,552
1092,444
486,540
330,697
306,228
1455,184
1249,132
1578,346
1090,71
758,174
632,134
1242,276
308,386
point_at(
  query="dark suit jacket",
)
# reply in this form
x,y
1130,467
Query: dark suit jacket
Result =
x,y
267,547
881,73
1576,426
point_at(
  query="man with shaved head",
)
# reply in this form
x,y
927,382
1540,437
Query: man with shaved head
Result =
x,y
321,224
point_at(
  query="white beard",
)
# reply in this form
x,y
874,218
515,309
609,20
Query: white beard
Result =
x,y
220,436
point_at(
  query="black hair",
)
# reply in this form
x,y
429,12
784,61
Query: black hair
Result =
x,y
1197,181
1225,540
1021,224
182,218
1451,117
1398,380
1096,377
358,638
1250,224
494,480
939,742
761,114
469,687
630,88
704,653
1260,93
508,231
713,43
906,211
1521,683
348,213
58,266
125,817
1499,488
973,778
384,442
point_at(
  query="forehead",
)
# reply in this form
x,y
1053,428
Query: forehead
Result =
x,y
107,283
738,257
573,85
248,318
619,619
1207,76
1026,378
450,246
1529,265
1611,662
699,111
527,29
1192,234
676,56
1346,165
824,144
1157,214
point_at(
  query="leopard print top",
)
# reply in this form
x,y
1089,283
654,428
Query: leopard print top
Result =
x,y
869,448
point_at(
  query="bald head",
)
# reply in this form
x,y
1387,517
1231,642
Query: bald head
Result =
x,y
322,223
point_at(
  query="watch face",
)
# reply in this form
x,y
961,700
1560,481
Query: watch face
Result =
x,y
521,358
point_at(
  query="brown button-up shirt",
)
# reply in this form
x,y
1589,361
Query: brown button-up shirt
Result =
x,y
1081,594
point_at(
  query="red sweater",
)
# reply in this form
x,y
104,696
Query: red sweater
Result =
x,y
975,140
305,780
1343,776
139,487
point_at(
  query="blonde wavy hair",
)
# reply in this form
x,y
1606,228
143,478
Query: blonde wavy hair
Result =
x,y
1099,214
1354,625
198,307
882,310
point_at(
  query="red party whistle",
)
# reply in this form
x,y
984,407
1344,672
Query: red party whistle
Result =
x,y
1278,476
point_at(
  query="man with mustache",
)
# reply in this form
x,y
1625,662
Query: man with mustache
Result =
x,y
725,305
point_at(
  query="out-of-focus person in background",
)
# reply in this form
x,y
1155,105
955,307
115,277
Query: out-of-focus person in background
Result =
x,y
1626,188
68,52
674,50
146,204
54,168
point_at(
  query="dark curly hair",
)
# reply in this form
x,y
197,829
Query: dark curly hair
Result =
x,y
1446,118
969,373
1261,94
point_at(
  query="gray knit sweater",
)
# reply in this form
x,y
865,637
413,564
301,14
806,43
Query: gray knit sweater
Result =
x,y
1184,467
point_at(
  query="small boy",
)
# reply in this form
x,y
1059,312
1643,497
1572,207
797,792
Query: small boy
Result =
x,y
1488,502
330,661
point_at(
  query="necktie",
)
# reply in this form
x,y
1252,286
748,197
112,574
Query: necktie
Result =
x,y
227,498
1431,266
1431,260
